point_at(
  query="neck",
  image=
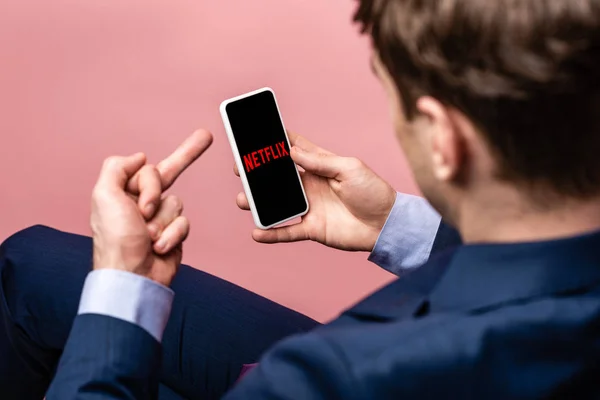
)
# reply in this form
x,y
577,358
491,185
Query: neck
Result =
x,y
505,216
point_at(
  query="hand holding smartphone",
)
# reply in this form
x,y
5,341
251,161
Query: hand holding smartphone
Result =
x,y
261,150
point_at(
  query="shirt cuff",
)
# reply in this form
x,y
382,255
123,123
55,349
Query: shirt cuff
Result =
x,y
407,237
128,297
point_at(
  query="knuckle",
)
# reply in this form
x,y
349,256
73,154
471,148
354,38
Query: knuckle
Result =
x,y
185,228
148,172
185,223
354,163
101,195
96,194
112,162
149,178
175,203
150,169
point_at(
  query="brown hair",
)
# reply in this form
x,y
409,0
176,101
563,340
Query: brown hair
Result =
x,y
526,72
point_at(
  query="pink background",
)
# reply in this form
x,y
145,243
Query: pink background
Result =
x,y
81,80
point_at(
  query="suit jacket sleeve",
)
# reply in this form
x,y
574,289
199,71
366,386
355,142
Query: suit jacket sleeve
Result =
x,y
107,358
113,350
303,367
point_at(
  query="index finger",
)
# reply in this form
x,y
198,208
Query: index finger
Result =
x,y
171,167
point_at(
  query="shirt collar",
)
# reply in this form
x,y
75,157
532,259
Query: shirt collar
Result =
x,y
480,276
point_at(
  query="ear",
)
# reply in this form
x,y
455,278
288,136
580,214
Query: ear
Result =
x,y
447,145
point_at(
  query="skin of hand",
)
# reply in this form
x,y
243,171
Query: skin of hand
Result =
x,y
349,203
134,227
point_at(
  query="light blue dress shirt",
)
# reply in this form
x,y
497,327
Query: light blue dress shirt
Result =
x,y
407,237
128,297
404,243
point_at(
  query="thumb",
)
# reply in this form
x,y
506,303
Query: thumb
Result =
x,y
322,164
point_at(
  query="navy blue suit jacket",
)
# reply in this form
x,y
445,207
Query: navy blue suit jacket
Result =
x,y
481,322
107,358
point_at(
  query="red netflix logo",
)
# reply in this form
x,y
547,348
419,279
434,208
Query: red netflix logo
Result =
x,y
263,156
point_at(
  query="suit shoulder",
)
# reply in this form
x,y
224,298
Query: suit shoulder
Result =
x,y
489,354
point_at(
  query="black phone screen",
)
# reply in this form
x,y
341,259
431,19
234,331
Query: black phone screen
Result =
x,y
265,154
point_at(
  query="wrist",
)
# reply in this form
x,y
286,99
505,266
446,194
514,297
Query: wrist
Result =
x,y
379,224
130,253
371,240
122,262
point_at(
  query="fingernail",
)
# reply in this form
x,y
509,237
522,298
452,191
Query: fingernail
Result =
x,y
150,209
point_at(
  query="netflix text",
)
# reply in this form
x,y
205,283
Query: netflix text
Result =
x,y
264,156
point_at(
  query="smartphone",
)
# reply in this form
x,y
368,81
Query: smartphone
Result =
x,y
261,150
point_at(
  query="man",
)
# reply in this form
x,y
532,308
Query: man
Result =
x,y
214,328
495,105
43,273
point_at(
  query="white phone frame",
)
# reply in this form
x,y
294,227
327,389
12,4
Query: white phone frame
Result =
x,y
240,165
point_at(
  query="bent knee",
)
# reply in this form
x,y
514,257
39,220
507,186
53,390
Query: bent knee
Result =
x,y
42,271
39,249
30,260
40,258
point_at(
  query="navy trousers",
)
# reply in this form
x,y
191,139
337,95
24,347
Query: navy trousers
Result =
x,y
214,329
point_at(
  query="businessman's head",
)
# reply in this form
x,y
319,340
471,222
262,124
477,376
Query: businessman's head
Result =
x,y
492,94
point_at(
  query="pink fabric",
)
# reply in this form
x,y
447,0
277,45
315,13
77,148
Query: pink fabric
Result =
x,y
245,369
